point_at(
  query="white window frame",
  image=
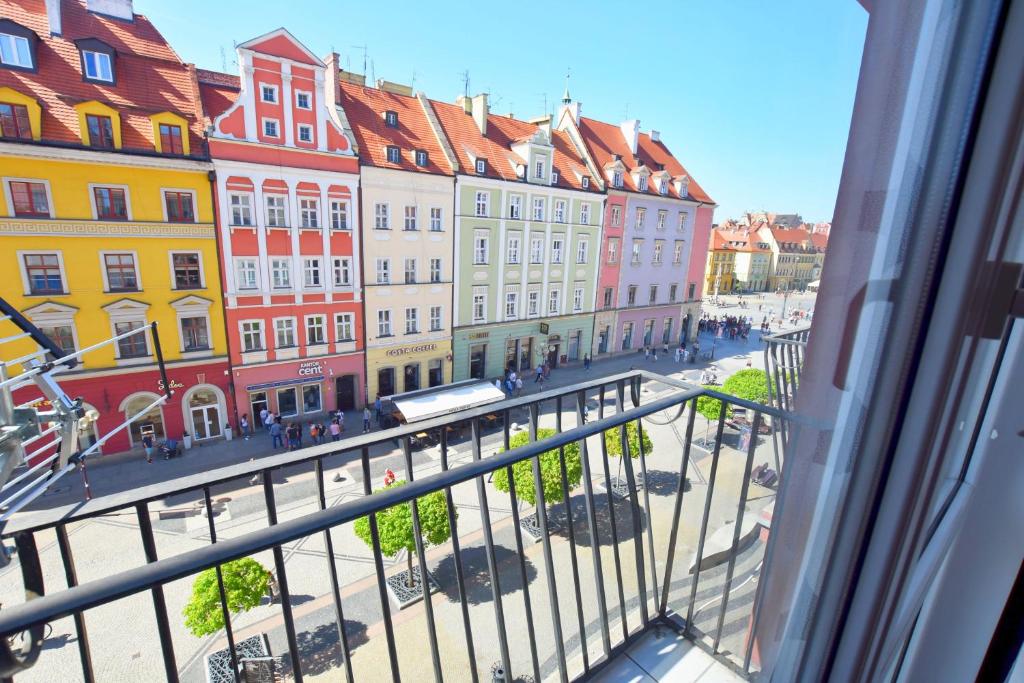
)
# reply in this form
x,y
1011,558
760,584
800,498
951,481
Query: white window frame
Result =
x,y
103,269
381,216
421,157
436,219
677,251
641,183
481,252
412,320
240,262
617,178
577,299
312,269
479,305
539,168
277,127
9,198
436,318
511,303
536,250
341,266
275,268
557,249
290,324
393,154
613,250
658,248
410,260
662,215
682,221
273,196
539,209
383,270
582,250
584,214
554,301
14,42
343,322
115,186
515,207
259,330
481,166
641,217
26,288
482,204
558,213
305,127
339,214
99,57
384,322
413,216
272,88
309,212
533,303
638,245
248,196
616,215
309,100
512,249
306,327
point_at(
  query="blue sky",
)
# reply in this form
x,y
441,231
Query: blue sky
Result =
x,y
754,97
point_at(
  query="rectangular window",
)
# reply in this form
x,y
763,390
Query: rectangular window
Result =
x,y
302,100
613,250
383,271
410,218
100,131
512,250
577,299
617,179
287,403
584,214
637,244
435,270
481,166
316,330
533,303
682,220
672,293
511,304
661,219
435,319
692,291
641,216
276,212
410,271
342,272
194,333
582,251
241,209
268,93
381,217
252,335
479,305
343,327
515,206
121,273
538,168
384,323
305,133
270,128
61,335
15,50
616,216
311,272
309,213
554,297
482,201
111,203
394,155
537,250
631,296
642,184
608,293
339,215
556,250
284,332
132,346
480,250
97,66
421,157
29,199
436,222
179,207
538,208
412,325
666,334
559,211
187,271
246,273
43,274
170,139
656,258
311,400
281,273
653,296
14,121
677,251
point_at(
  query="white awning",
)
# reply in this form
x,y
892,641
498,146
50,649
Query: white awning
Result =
x,y
445,401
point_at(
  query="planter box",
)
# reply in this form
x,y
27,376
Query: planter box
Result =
x,y
618,486
402,594
531,525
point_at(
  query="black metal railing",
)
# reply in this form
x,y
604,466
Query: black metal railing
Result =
x,y
632,578
784,361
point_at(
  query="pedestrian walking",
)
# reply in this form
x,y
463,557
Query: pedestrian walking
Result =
x,y
366,420
341,416
314,433
244,424
264,414
377,406
147,444
647,352
335,430
678,353
654,354
519,386
275,435
586,362
540,374
294,436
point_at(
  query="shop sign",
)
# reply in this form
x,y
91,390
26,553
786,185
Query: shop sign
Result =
x,y
310,367
554,338
175,384
544,328
480,335
411,349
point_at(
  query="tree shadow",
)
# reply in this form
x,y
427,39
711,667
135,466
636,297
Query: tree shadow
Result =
x,y
581,526
320,650
477,575
662,483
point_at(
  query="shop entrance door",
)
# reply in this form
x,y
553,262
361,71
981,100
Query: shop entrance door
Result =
x,y
435,373
205,422
477,361
412,376
345,391
386,381
553,356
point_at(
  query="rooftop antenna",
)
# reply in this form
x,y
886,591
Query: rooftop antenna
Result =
x,y
364,49
223,59
545,96
373,74
412,83
566,99
465,82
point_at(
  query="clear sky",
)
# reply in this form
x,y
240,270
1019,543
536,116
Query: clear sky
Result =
x,y
753,96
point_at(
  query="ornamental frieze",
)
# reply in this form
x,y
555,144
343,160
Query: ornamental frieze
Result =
x,y
99,229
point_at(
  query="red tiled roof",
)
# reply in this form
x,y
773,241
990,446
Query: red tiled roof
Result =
x,y
790,235
150,77
365,109
218,91
819,240
604,140
503,132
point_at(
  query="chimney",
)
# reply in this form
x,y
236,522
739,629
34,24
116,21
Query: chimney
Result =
x,y
480,111
465,102
631,131
544,123
332,76
119,9
655,136
394,88
53,15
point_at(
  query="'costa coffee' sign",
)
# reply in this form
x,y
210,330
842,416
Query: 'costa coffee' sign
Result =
x,y
411,349
310,367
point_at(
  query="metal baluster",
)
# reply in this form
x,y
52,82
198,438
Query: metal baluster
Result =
x,y
163,625
704,520
71,574
460,578
428,604
647,504
492,564
634,507
595,545
614,526
282,579
332,570
224,611
378,563
572,538
518,533
677,511
549,561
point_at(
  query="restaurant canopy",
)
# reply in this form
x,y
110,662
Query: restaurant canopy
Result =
x,y
421,405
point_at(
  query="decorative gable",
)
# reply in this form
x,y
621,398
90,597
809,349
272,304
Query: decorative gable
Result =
x,y
281,43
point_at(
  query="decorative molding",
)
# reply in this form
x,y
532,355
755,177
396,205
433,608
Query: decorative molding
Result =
x,y
64,228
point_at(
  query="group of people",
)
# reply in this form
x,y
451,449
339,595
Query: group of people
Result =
x,y
731,326
289,436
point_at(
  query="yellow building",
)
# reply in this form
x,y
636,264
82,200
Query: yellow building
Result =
x,y
106,219
721,265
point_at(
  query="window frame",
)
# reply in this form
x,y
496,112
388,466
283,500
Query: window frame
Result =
x,y
269,197
93,187
438,318
341,265
436,220
239,261
385,271
290,323
277,127
167,143
478,300
307,128
340,320
194,315
382,216
105,273
307,327
275,91
481,256
259,330
174,276
249,196
22,123
482,204
24,268
413,319
274,270
15,33
407,272
309,100
9,196
84,53
309,212
414,217
436,273
165,193
339,212
312,268
384,323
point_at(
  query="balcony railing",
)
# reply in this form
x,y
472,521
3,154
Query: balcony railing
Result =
x,y
783,361
677,540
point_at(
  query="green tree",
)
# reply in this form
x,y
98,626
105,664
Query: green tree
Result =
x,y
245,583
550,470
394,525
613,441
749,384
711,409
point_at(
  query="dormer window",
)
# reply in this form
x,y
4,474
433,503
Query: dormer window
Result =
x,y
586,182
17,46
663,187
394,154
268,93
481,166
617,179
391,119
421,157
641,183
97,60
554,177
538,169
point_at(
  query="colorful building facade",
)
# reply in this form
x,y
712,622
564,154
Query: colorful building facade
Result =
x,y
106,219
287,180
527,231
407,183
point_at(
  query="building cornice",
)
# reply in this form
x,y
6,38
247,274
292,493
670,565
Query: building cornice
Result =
x,y
89,156
89,228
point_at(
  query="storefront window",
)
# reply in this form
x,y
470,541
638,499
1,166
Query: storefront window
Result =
x,y
435,373
511,349
525,354
412,377
627,336
648,332
287,403
575,337
477,360
386,381
151,423
257,402
311,398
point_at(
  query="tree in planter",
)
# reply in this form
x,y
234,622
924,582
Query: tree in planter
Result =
x,y
394,526
749,384
550,470
613,443
246,581
711,409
